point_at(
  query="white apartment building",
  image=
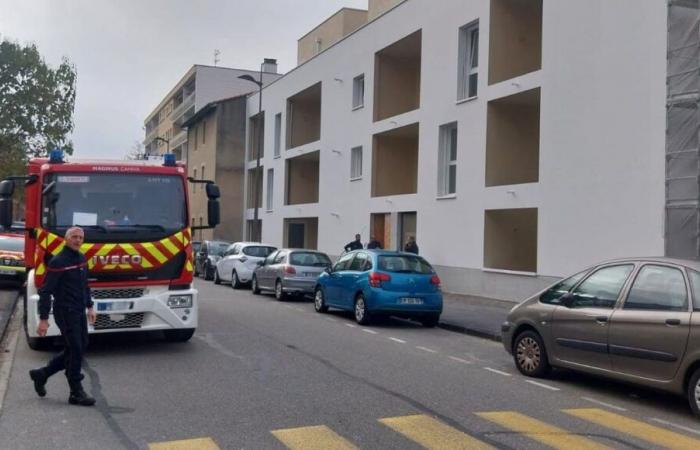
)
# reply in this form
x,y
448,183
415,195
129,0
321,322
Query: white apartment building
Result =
x,y
517,140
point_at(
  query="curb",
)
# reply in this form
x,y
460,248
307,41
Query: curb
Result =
x,y
6,325
493,336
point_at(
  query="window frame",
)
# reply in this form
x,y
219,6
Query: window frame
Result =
x,y
638,272
358,92
448,139
278,135
468,51
269,194
353,166
593,272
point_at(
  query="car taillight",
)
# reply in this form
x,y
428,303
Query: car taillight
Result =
x,y
376,278
289,270
435,280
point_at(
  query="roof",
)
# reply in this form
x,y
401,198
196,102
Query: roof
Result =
x,y
209,107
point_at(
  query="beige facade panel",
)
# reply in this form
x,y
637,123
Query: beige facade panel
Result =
x,y
397,73
513,139
329,32
378,7
304,117
515,38
510,239
256,133
395,162
255,185
302,179
301,233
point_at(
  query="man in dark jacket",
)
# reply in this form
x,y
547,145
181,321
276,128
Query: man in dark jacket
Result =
x,y
374,243
354,245
67,280
411,246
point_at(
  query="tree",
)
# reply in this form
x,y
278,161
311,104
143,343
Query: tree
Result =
x,y
136,151
36,102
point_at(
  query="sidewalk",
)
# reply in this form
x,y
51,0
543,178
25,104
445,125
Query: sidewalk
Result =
x,y
477,316
9,295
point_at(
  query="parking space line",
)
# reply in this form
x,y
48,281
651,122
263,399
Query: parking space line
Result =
x,y
288,306
598,402
350,325
369,331
425,349
185,444
312,438
464,361
500,372
299,309
675,425
400,341
542,385
331,319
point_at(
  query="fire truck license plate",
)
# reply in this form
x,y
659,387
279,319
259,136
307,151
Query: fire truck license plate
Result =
x,y
6,272
112,306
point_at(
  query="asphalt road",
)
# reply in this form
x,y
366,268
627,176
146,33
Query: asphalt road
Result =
x,y
260,374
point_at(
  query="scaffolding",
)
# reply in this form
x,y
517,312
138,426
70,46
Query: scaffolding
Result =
x,y
682,129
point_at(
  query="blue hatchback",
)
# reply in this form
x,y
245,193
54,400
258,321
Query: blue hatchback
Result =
x,y
378,282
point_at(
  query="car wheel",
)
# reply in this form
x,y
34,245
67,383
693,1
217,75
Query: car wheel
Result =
x,y
235,282
694,392
530,355
254,285
430,321
361,312
320,301
217,280
279,291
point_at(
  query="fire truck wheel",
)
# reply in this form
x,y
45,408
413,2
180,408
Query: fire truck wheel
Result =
x,y
183,335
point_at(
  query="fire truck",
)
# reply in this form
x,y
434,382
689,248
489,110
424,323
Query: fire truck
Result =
x,y
135,215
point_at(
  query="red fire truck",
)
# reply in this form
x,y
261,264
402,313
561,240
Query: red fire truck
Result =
x,y
135,215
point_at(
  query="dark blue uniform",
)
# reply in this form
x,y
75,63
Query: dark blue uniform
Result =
x,y
67,281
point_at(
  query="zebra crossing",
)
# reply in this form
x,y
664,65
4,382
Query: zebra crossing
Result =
x,y
431,433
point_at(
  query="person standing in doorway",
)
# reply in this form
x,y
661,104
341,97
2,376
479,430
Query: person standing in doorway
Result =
x,y
374,243
411,246
354,245
67,281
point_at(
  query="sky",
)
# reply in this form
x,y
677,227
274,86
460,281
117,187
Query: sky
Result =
x,y
130,53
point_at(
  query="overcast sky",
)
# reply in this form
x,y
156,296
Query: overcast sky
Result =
x,y
130,53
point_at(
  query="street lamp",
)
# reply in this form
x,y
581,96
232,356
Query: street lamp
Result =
x,y
167,143
256,230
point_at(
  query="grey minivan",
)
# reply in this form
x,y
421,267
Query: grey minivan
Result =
x,y
635,320
290,271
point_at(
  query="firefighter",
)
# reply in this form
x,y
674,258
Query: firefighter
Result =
x,y
67,281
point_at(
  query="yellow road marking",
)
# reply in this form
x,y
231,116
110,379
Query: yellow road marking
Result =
x,y
186,444
641,430
540,431
312,438
431,433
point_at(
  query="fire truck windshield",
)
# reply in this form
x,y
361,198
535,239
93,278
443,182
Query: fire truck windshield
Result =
x,y
143,204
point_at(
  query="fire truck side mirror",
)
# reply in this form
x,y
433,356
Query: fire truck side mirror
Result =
x,y
7,188
213,212
212,191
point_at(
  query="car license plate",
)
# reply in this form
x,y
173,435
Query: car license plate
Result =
x,y
7,272
410,301
309,274
113,306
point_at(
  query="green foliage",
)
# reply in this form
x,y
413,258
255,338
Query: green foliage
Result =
x,y
36,103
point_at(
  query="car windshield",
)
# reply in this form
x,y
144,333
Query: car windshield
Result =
x,y
12,244
260,251
309,259
107,202
404,264
218,248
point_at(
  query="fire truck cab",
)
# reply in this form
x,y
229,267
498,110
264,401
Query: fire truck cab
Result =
x,y
135,215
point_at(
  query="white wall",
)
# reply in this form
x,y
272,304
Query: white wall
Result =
x,y
601,188
215,83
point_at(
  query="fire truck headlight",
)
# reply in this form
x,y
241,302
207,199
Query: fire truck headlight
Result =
x,y
180,301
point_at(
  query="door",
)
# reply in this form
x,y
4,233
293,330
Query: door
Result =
x,y
407,228
378,225
295,238
649,334
262,272
350,278
334,293
226,264
580,329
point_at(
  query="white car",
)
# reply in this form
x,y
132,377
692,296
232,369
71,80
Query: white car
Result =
x,y
239,262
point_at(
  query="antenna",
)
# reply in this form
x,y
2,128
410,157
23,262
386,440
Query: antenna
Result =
x,y
217,52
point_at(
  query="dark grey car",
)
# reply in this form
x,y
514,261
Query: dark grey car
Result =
x,y
635,320
290,271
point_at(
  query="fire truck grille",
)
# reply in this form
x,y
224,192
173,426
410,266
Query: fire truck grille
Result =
x,y
117,293
111,321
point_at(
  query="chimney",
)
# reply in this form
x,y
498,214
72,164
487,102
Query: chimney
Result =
x,y
269,65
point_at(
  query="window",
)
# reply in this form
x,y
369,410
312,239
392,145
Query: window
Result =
x,y
601,289
552,295
468,61
194,185
358,91
270,258
280,257
204,131
309,259
358,264
343,262
695,288
356,163
447,175
258,251
658,288
270,185
278,133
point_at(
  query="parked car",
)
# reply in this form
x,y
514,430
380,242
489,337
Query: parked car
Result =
x,y
240,261
209,254
12,267
378,282
634,320
290,271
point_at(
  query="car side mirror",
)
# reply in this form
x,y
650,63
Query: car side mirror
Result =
x,y
567,299
261,263
328,269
